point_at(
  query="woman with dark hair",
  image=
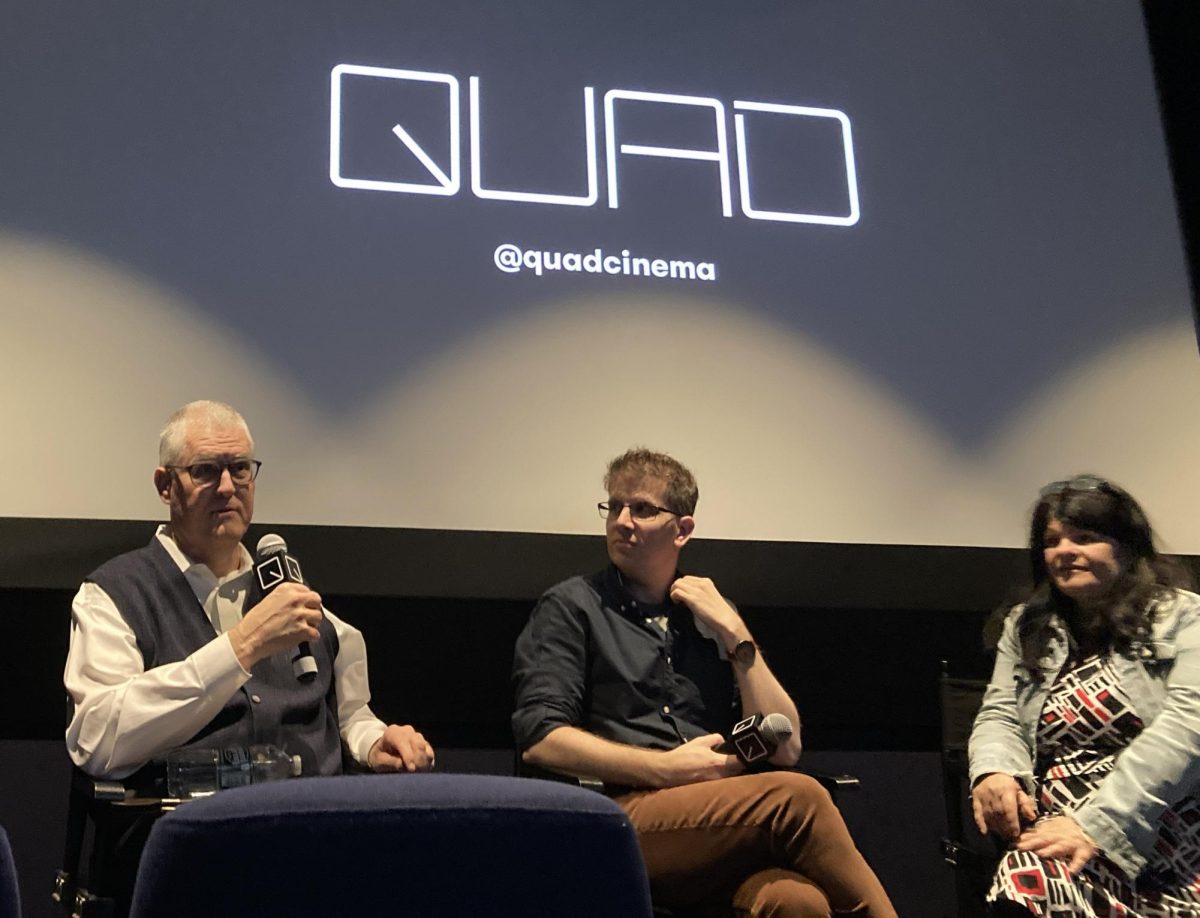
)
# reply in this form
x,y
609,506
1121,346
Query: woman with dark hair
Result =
x,y
1085,755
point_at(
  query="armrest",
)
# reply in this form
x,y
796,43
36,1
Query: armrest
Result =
x,y
525,770
834,783
97,788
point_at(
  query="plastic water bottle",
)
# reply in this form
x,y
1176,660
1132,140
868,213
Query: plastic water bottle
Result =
x,y
242,765
198,772
192,772
270,763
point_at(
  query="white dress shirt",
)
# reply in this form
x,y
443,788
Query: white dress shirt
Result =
x,y
126,715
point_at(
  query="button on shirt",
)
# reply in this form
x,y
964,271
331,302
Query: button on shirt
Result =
x,y
592,657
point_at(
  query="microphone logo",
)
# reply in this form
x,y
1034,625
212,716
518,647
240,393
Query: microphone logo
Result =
x,y
293,567
270,573
748,741
757,737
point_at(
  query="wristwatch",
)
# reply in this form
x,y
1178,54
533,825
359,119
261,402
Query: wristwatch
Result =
x,y
745,653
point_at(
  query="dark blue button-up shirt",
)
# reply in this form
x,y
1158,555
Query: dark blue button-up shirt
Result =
x,y
592,657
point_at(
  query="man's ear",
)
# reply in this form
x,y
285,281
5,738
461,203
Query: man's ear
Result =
x,y
687,525
162,484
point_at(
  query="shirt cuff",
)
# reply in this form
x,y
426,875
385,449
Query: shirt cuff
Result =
x,y
218,667
997,759
361,736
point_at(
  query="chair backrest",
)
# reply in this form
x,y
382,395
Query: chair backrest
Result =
x,y
10,893
454,845
972,855
958,700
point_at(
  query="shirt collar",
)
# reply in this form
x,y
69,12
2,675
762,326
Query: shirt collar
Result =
x,y
615,583
624,601
187,566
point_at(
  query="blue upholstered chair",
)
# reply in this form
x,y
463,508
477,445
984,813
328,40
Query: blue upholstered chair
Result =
x,y
10,894
457,845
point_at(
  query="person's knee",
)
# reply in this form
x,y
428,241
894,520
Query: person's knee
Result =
x,y
800,783
800,791
779,893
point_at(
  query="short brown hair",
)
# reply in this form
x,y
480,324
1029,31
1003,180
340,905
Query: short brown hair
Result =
x,y
641,463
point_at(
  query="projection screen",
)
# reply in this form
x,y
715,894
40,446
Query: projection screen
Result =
x,y
874,271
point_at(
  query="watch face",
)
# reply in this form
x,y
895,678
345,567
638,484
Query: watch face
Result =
x,y
745,652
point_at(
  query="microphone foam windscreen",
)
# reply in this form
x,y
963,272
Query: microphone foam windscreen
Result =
x,y
776,727
271,544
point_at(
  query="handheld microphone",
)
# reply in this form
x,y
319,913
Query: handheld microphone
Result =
x,y
273,567
757,737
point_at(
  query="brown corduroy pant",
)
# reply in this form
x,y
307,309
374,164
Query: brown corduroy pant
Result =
x,y
770,845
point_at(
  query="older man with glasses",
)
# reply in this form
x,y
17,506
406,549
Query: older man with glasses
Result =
x,y
632,675
165,653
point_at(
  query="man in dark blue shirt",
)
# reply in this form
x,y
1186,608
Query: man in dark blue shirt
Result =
x,y
632,675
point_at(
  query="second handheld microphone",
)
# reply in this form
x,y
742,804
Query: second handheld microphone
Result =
x,y
757,737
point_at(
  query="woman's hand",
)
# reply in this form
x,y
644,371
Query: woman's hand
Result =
x,y
999,804
1059,838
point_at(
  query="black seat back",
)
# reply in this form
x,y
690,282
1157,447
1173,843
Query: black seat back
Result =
x,y
972,855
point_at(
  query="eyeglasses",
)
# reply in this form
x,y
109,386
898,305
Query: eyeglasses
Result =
x,y
1078,483
638,509
209,472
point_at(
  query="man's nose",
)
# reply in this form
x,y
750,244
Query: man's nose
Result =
x,y
625,517
225,483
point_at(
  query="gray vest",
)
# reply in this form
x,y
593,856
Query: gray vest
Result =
x,y
169,623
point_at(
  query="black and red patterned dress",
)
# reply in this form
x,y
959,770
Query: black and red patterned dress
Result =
x,y
1086,721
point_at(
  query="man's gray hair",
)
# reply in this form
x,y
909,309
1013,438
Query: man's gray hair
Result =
x,y
173,439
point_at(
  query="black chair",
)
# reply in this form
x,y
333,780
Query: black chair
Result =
x,y
110,822
972,856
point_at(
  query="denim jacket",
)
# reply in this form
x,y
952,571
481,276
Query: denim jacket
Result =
x,y
1157,769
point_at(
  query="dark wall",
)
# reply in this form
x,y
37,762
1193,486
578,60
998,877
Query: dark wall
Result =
x,y
864,678
1174,30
